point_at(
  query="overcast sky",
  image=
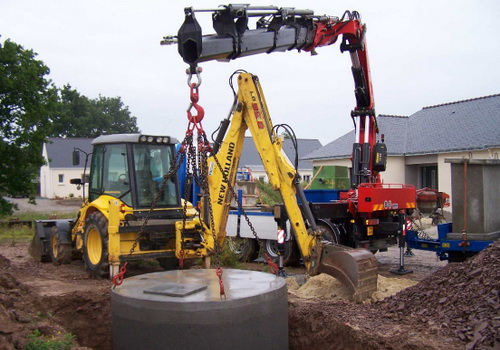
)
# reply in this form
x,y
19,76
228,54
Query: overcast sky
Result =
x,y
421,52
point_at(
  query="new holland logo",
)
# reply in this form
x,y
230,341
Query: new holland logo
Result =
x,y
226,171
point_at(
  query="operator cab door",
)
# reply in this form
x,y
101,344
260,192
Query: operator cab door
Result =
x,y
109,173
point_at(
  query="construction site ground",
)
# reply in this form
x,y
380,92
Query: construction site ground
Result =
x,y
438,306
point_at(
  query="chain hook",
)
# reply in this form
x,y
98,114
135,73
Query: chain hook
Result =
x,y
181,259
194,119
200,112
118,279
218,272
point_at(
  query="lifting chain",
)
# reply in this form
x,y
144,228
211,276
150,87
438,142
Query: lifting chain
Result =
x,y
197,162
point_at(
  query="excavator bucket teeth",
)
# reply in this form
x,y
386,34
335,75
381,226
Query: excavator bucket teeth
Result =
x,y
357,269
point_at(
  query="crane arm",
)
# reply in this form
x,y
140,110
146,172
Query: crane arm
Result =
x,y
286,29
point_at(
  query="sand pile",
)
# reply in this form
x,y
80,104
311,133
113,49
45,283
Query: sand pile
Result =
x,y
324,286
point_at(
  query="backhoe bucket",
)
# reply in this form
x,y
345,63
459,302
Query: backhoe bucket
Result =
x,y
357,269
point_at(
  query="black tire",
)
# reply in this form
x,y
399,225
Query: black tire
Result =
x,y
271,249
95,245
60,253
244,248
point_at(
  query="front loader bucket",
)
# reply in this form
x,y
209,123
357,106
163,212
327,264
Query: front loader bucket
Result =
x,y
39,246
357,269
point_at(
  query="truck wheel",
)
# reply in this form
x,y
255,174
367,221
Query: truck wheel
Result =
x,y
243,248
328,234
95,245
59,253
271,249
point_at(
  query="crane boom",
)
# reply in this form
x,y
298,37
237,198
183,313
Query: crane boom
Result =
x,y
286,29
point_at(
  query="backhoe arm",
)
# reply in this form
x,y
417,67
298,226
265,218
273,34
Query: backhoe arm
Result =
x,y
356,268
251,113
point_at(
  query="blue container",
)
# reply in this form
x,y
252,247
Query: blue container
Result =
x,y
443,230
322,196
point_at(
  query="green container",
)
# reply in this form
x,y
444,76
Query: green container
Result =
x,y
330,177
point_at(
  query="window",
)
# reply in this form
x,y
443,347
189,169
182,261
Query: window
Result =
x,y
110,173
61,178
115,177
151,163
306,178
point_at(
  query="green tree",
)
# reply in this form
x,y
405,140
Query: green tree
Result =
x,y
79,116
27,99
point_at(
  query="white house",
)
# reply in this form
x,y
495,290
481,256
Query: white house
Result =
x,y
419,144
59,168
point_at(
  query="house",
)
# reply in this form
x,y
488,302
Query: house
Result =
x,y
419,144
59,168
250,157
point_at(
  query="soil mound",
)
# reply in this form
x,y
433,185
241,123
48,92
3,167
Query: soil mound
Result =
x,y
461,300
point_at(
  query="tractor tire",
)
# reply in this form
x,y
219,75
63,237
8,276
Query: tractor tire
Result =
x,y
290,256
95,245
60,253
244,248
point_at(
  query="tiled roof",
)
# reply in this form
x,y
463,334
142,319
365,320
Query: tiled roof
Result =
x,y
466,125
60,151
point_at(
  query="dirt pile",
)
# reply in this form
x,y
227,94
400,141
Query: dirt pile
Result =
x,y
26,306
461,300
457,307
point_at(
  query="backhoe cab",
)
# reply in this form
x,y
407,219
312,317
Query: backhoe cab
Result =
x,y
128,173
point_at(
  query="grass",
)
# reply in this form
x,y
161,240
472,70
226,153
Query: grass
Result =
x,y
38,341
23,233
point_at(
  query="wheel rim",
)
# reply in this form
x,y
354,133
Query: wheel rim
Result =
x,y
94,246
54,245
272,248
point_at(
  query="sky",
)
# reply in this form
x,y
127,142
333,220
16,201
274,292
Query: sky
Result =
x,y
422,53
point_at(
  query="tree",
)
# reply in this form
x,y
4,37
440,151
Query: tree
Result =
x,y
27,99
79,116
